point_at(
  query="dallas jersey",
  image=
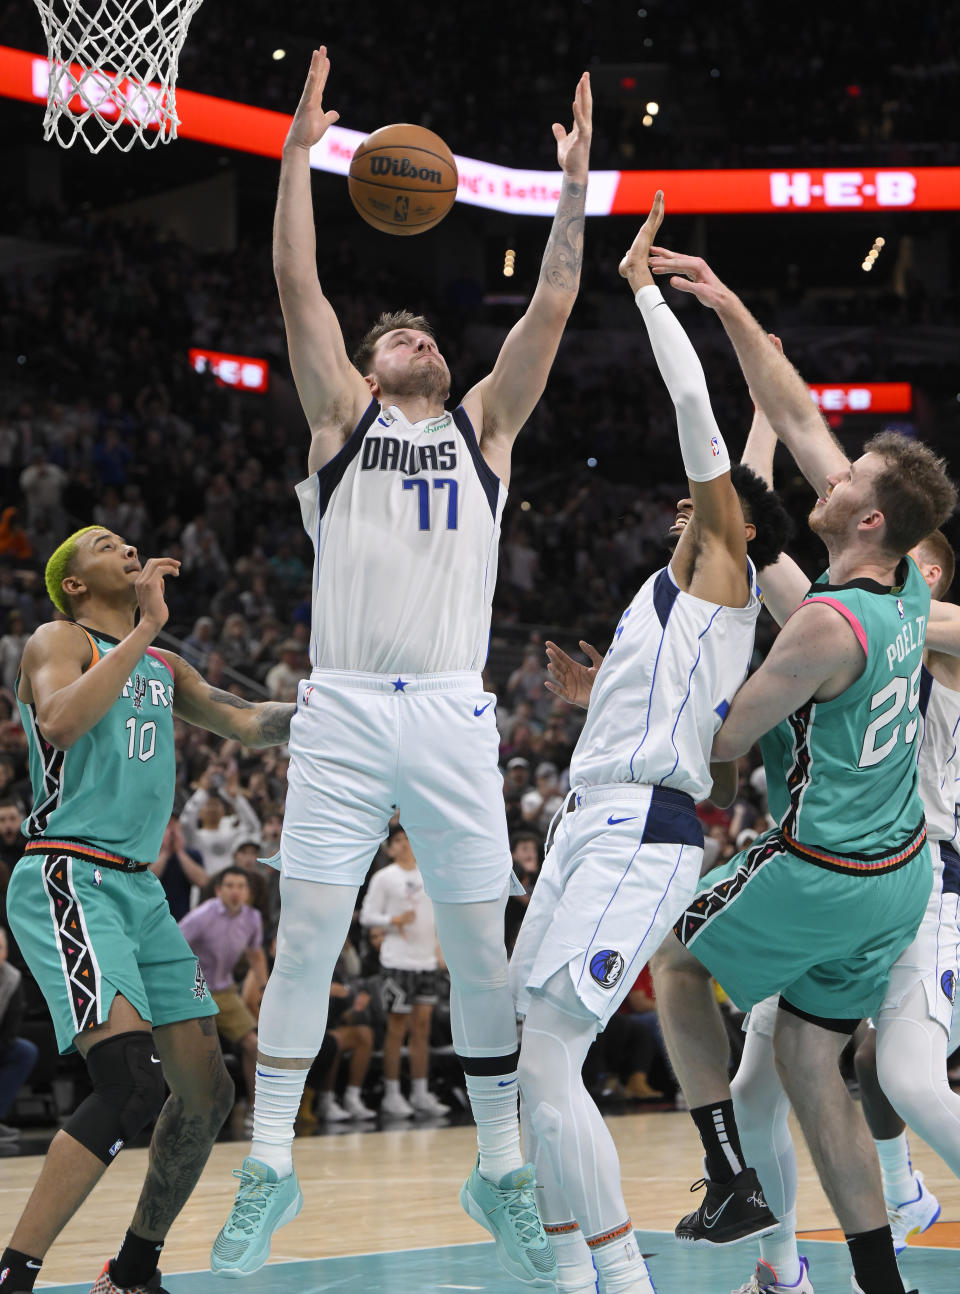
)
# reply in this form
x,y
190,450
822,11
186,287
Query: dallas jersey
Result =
x,y
114,787
937,760
405,524
664,688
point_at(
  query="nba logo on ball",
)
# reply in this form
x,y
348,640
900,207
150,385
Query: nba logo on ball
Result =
x,y
606,967
403,179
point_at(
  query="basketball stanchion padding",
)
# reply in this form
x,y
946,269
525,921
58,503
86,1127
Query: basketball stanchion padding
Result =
x,y
113,70
403,179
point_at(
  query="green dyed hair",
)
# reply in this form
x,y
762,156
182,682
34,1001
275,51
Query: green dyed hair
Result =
x,y
58,568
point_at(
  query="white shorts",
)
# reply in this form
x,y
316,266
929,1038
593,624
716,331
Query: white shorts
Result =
x,y
933,959
623,865
363,746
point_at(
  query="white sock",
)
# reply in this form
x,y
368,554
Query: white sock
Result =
x,y
419,1087
576,1273
779,1249
493,1099
351,1093
391,1087
279,1093
899,1183
620,1264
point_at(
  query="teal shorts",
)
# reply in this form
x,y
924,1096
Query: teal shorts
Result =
x,y
88,933
770,922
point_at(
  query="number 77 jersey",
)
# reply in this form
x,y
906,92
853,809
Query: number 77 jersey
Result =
x,y
851,763
405,525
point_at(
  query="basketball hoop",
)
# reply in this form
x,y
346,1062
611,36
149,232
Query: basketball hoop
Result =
x,y
113,65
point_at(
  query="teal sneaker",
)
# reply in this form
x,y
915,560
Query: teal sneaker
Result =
x,y
264,1204
509,1213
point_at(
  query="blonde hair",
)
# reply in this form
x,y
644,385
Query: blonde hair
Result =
x,y
58,568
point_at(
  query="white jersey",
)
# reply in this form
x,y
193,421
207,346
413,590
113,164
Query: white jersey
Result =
x,y
405,524
392,891
664,688
937,758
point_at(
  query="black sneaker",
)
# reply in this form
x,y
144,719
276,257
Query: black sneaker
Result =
x,y
730,1211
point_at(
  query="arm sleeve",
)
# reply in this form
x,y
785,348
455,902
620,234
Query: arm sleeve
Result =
x,y
705,455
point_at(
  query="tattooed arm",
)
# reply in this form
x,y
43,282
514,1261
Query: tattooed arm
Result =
x,y
252,723
500,404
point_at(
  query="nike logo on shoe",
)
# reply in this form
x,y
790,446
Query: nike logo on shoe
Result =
x,y
479,709
154,1060
612,821
710,1219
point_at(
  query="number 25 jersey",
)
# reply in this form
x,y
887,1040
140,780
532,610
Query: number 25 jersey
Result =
x,y
851,763
405,525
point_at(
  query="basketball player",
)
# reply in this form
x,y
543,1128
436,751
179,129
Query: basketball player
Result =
x,y
849,860
403,504
915,1019
625,859
123,988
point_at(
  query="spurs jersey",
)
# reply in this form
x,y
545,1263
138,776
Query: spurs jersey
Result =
x,y
664,688
405,524
937,759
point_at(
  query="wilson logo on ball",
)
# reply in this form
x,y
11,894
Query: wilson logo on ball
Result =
x,y
404,169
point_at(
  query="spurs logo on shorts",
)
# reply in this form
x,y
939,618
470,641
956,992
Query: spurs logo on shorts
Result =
x,y
199,984
79,964
606,967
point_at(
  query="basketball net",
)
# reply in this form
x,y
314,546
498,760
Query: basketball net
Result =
x,y
113,70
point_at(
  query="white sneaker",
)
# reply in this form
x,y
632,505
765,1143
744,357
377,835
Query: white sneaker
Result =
x,y
917,1215
355,1108
428,1104
398,1107
331,1111
764,1281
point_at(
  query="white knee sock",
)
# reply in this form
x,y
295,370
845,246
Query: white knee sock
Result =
x,y
620,1265
484,1026
761,1108
576,1273
899,1184
575,1156
314,920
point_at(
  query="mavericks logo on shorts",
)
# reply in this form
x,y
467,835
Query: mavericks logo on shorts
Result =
x,y
199,984
948,982
606,967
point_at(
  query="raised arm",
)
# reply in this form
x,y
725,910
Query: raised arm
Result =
x,y
332,392
252,723
717,527
776,385
502,402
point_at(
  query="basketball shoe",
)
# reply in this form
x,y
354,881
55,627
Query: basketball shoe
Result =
x,y
729,1212
264,1204
104,1284
508,1210
913,1217
858,1289
764,1281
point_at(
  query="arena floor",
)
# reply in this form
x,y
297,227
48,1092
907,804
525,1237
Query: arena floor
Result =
x,y
381,1214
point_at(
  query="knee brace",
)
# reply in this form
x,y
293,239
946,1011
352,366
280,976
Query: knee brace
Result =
x,y
128,1093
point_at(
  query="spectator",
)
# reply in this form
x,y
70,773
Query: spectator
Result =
x,y
350,1029
282,679
14,541
17,1055
397,903
11,841
179,869
215,814
220,932
197,646
42,484
525,852
11,649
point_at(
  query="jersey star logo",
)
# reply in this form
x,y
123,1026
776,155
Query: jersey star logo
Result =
x,y
400,685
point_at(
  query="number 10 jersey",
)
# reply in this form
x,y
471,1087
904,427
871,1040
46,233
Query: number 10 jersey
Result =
x,y
405,525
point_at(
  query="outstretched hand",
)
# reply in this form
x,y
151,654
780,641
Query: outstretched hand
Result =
x,y
573,150
310,122
689,274
569,679
149,586
634,267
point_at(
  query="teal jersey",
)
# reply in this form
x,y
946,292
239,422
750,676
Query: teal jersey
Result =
x,y
851,763
775,750
113,789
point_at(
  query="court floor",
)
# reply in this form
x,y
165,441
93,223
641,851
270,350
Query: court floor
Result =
x,y
381,1214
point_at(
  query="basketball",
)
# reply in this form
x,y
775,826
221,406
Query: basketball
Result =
x,y
403,179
